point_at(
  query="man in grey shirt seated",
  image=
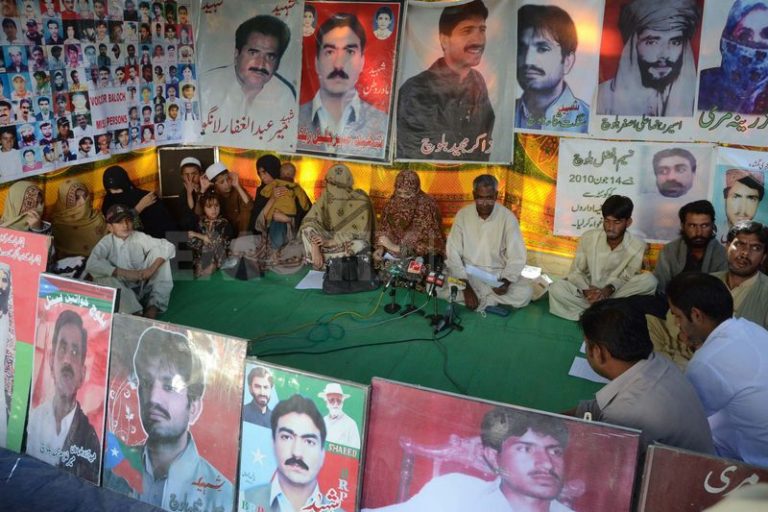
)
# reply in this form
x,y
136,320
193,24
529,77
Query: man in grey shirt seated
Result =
x,y
647,391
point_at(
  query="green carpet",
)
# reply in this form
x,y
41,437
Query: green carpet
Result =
x,y
520,359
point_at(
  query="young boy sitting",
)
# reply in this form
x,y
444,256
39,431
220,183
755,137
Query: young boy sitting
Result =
x,y
133,262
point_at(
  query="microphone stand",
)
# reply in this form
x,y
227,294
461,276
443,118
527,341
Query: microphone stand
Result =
x,y
448,321
435,317
411,307
393,306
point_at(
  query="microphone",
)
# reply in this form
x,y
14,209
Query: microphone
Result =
x,y
414,271
447,319
454,292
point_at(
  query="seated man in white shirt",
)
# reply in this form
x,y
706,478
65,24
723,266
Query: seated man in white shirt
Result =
x,y
729,368
486,236
607,264
135,263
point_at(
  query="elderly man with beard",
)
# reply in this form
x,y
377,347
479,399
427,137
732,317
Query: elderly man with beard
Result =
x,y
656,75
260,384
58,431
251,85
298,435
341,428
171,379
527,452
740,83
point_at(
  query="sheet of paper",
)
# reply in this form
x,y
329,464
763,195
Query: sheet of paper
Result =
x,y
483,275
312,281
583,347
581,369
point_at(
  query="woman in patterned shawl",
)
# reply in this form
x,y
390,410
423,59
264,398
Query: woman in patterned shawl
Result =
x,y
410,223
340,222
77,226
24,209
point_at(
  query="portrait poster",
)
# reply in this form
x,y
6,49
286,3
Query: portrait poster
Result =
x,y
649,57
80,82
732,92
347,83
69,381
738,188
676,480
441,116
659,177
452,453
556,71
176,390
23,256
302,406
249,93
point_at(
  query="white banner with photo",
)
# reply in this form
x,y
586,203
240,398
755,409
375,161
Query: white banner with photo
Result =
x,y
738,188
557,60
660,178
648,69
455,90
250,61
733,86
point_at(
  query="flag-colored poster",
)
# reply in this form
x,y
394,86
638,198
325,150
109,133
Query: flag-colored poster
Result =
x,y
303,435
557,58
455,82
250,58
738,188
678,480
23,256
69,384
347,78
173,409
649,57
732,102
429,450
660,178
83,80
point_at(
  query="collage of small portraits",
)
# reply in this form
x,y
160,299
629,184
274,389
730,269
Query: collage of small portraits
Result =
x,y
179,418
83,79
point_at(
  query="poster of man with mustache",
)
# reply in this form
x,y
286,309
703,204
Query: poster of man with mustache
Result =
x,y
347,77
173,424
454,99
249,81
66,418
301,442
557,59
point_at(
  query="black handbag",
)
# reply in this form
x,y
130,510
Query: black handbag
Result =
x,y
349,274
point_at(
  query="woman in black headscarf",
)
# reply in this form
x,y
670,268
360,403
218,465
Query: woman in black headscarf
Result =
x,y
155,219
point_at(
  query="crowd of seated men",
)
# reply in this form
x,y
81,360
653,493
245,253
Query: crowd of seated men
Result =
x,y
702,311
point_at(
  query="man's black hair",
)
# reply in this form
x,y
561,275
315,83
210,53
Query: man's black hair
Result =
x,y
260,371
455,14
338,20
749,227
551,20
619,328
501,423
701,207
704,292
267,25
749,182
299,405
619,207
173,349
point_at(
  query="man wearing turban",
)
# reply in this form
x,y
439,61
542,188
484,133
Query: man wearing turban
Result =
x,y
740,83
656,75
